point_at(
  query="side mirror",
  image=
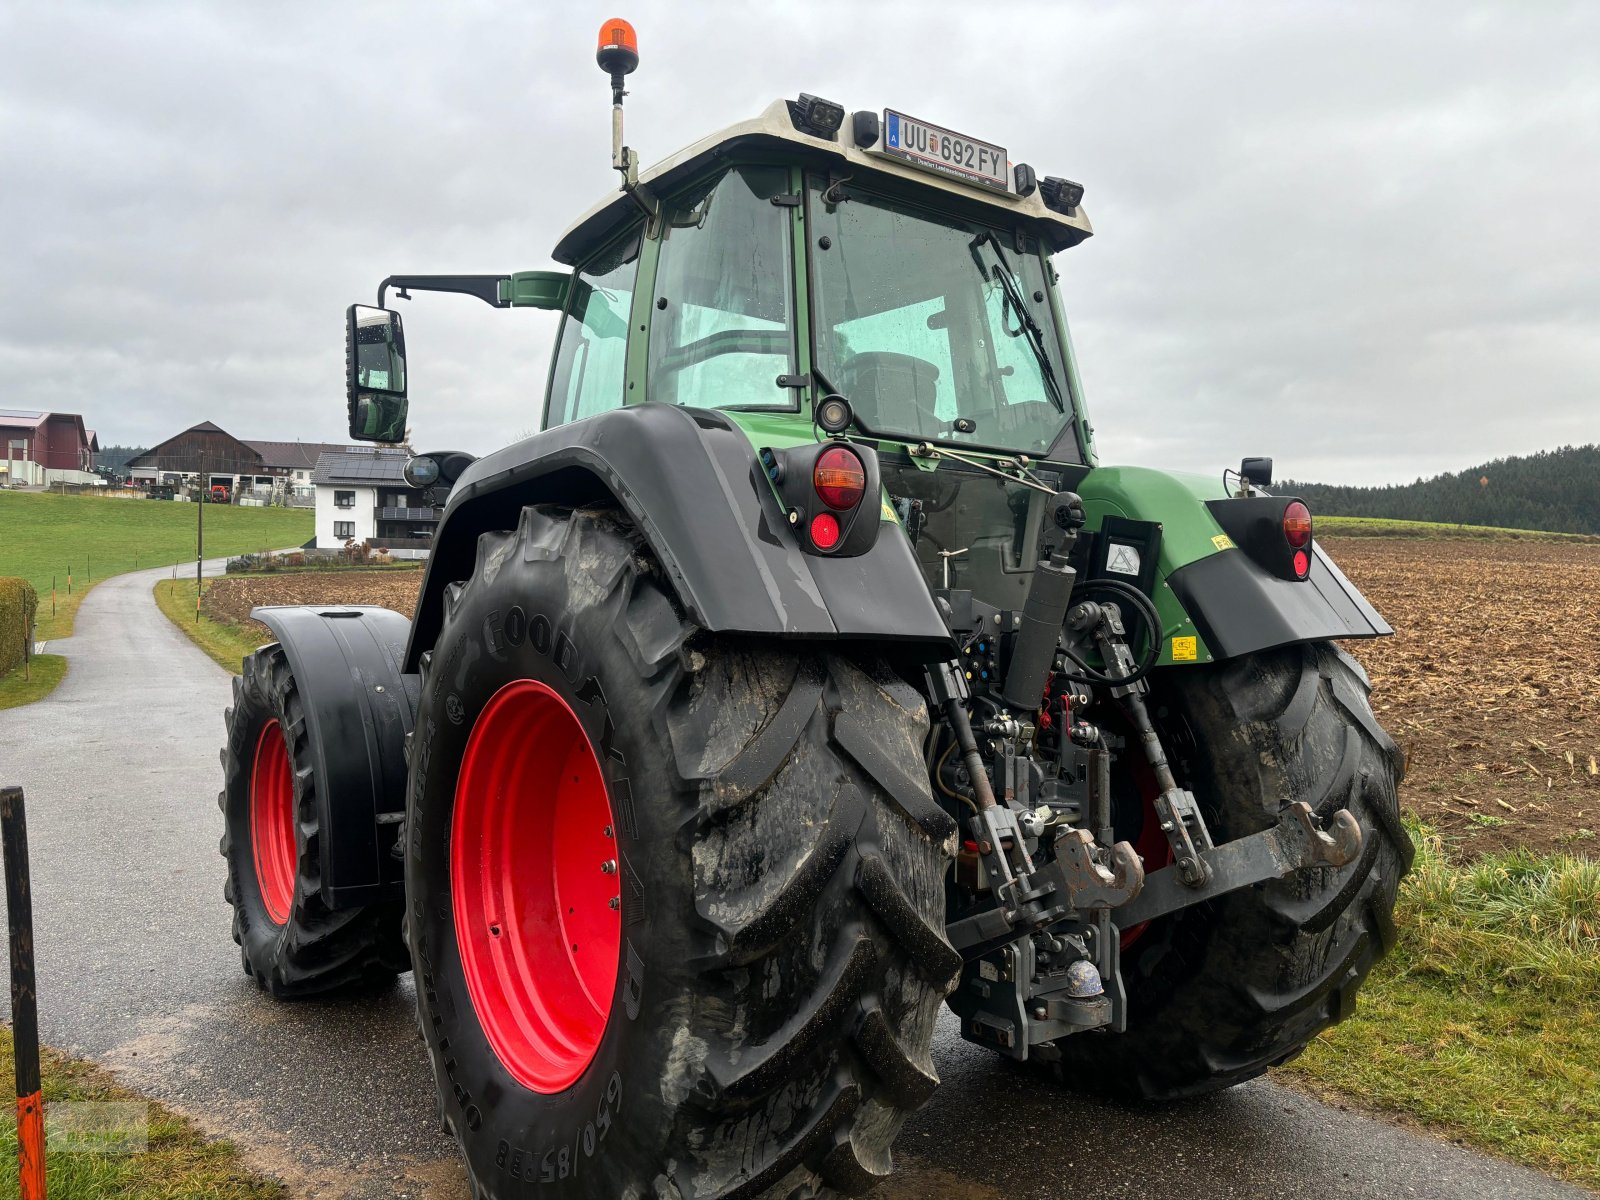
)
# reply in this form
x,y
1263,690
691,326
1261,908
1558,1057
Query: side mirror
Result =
x,y
375,374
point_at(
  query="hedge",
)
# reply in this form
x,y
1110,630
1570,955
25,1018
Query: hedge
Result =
x,y
18,603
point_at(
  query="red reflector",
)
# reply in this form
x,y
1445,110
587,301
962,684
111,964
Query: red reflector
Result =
x,y
825,531
839,478
1297,524
1302,564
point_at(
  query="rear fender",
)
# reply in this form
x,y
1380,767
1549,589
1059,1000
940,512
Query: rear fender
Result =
x,y
1213,590
358,709
690,481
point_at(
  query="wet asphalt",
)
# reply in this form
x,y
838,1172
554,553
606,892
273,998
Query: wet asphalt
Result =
x,y
137,970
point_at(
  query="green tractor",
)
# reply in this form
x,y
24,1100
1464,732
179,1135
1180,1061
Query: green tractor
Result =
x,y
806,673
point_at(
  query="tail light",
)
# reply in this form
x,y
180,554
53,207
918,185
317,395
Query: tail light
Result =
x,y
1275,531
839,478
1297,525
828,493
1297,532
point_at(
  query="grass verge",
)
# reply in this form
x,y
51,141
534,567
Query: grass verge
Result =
x,y
1485,1021
1385,527
180,1163
93,537
43,672
227,644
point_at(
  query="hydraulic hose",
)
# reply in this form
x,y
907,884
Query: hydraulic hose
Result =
x,y
955,713
1147,613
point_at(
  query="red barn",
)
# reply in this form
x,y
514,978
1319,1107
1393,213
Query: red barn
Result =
x,y
55,444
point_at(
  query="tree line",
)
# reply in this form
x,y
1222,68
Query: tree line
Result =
x,y
1553,490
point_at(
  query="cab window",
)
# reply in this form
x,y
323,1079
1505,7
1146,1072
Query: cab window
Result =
x,y
592,352
720,332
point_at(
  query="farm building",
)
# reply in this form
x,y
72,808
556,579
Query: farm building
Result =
x,y
294,463
45,447
205,448
362,496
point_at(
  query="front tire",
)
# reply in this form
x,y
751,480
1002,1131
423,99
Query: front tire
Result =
x,y
776,947
1220,992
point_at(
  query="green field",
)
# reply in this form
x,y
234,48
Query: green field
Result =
x,y
44,537
228,645
1384,527
1485,1021
20,685
178,1164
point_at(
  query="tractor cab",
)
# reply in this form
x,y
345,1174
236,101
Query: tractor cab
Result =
x,y
797,255
872,278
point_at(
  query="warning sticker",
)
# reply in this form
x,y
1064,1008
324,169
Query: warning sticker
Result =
x,y
889,514
1223,542
1185,649
1123,559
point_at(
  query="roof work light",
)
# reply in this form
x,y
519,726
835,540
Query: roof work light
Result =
x,y
816,116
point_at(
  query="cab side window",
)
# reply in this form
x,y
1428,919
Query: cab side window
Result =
x,y
720,334
591,357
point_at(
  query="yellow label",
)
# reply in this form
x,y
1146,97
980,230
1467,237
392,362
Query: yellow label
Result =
x,y
1185,649
889,513
1222,542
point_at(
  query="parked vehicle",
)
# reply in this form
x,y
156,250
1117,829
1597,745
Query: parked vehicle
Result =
x,y
807,672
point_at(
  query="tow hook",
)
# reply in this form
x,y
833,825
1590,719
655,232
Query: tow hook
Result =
x,y
1293,844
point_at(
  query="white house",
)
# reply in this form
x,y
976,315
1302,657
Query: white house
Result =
x,y
362,496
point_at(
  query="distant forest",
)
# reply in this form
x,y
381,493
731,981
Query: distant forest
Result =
x,y
117,457
1554,490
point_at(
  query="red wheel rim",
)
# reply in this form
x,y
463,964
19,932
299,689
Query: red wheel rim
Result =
x,y
272,822
533,878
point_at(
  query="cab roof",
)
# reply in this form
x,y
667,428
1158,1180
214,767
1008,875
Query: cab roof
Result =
x,y
773,133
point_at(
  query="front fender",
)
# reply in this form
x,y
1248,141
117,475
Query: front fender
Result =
x,y
690,481
358,709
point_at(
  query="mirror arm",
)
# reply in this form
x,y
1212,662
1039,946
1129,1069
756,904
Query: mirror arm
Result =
x,y
485,287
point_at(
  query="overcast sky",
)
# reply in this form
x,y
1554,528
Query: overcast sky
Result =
x,y
1362,238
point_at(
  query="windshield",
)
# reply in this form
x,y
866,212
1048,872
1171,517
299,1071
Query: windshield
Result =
x,y
935,327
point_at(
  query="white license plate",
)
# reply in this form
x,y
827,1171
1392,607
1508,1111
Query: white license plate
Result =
x,y
935,149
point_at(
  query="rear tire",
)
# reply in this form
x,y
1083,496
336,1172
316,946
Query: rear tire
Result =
x,y
780,955
1220,992
290,942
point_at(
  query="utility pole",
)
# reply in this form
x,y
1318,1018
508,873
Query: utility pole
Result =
x,y
200,533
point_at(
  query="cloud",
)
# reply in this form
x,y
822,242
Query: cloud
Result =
x,y
1358,239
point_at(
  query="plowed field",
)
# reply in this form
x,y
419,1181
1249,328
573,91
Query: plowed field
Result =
x,y
1491,683
231,598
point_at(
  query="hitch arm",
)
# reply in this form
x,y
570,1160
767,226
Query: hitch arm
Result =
x,y
1293,844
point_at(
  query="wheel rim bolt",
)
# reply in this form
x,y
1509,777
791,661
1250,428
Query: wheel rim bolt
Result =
x,y
609,867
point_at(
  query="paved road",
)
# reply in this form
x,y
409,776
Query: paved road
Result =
x,y
137,970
